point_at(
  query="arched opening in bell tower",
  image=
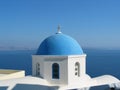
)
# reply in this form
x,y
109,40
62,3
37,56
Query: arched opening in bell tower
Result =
x,y
55,71
77,69
37,69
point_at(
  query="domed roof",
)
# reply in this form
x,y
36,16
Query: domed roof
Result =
x,y
59,44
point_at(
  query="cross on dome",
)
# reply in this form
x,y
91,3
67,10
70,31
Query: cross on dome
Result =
x,y
58,29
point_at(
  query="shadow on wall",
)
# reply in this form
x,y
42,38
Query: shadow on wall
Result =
x,y
33,87
3,88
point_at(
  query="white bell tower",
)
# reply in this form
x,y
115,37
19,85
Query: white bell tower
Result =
x,y
60,69
59,60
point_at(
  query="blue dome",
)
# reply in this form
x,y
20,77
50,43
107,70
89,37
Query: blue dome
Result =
x,y
59,44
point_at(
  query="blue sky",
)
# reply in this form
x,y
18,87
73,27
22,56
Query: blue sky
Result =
x,y
93,23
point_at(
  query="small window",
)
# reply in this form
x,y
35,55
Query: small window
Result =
x,y
55,71
77,69
76,73
37,69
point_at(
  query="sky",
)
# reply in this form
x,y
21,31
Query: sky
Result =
x,y
93,23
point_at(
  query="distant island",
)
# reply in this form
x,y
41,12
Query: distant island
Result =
x,y
2,48
7,48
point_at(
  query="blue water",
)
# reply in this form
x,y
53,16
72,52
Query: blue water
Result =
x,y
99,62
20,60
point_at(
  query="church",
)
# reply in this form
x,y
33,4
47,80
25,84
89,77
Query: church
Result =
x,y
60,60
60,64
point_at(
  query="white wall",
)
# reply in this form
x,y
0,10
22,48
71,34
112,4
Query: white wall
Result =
x,y
67,68
46,67
37,59
14,74
72,78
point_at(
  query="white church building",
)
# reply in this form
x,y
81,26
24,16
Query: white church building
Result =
x,y
60,64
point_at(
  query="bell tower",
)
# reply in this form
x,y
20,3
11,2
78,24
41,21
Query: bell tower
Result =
x,y
59,60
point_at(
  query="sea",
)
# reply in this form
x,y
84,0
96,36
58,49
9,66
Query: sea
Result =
x,y
98,62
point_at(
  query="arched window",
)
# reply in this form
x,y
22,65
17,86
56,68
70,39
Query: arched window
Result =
x,y
77,69
55,71
37,69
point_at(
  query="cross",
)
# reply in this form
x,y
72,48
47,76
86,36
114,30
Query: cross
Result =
x,y
58,28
